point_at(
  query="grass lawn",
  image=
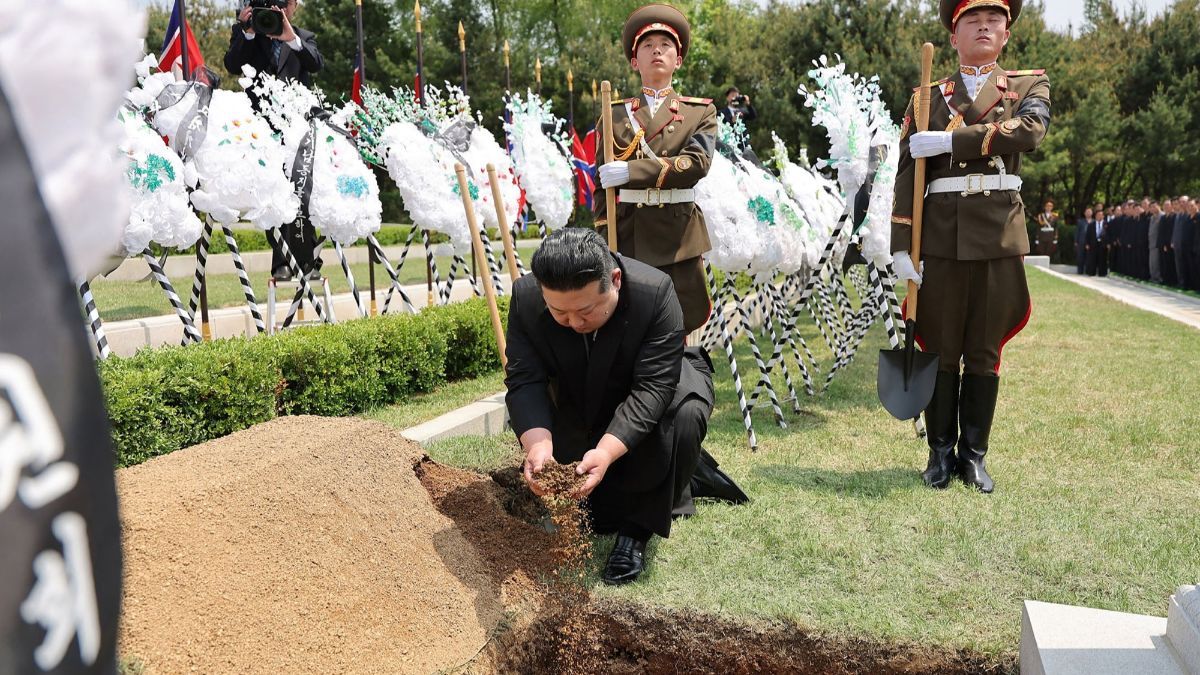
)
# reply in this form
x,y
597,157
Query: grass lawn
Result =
x,y
121,300
1096,502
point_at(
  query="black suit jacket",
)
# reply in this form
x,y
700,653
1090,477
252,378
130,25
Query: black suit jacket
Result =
x,y
624,382
259,53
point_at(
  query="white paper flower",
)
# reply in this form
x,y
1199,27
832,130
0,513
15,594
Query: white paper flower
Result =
x,y
424,173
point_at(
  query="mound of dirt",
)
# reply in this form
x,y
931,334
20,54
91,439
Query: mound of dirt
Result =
x,y
304,544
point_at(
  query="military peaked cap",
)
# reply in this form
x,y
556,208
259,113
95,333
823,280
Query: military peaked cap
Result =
x,y
656,19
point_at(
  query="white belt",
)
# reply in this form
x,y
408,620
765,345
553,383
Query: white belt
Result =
x,y
974,184
656,197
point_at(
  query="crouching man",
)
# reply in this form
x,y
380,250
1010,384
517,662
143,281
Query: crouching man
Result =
x,y
597,374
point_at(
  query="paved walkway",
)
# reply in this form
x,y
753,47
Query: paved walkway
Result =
x,y
1182,308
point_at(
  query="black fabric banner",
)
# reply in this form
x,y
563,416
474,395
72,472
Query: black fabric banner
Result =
x,y
60,549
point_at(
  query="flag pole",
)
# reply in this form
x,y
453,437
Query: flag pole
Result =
x,y
362,77
571,100
421,103
595,101
507,70
462,57
205,328
183,41
537,74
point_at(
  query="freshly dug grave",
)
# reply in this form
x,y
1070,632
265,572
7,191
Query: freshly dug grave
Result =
x,y
305,544
569,632
333,545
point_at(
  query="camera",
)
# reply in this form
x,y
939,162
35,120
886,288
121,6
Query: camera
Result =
x,y
740,101
265,19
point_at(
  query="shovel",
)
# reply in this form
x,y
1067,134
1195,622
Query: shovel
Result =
x,y
906,376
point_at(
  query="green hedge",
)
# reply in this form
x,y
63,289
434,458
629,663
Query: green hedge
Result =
x,y
165,399
388,235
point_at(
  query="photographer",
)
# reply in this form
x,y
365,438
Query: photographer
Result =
x,y
264,38
737,105
282,49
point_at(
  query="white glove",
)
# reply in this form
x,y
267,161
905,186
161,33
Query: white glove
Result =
x,y
614,174
930,143
903,265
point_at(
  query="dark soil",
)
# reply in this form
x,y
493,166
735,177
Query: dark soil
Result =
x,y
560,628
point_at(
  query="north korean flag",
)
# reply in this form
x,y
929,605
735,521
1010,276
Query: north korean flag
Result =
x,y
583,157
172,49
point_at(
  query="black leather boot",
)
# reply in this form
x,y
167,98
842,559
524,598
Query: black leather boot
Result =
x,y
976,410
941,427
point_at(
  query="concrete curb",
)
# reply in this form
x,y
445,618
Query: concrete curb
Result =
x,y
134,269
1173,306
126,338
486,417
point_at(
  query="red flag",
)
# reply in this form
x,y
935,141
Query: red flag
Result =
x,y
583,158
356,86
172,49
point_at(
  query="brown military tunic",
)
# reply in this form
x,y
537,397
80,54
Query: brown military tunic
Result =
x,y
974,296
682,134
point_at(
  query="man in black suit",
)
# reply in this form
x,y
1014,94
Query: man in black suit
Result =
x,y
1096,245
1181,243
597,374
290,55
1081,233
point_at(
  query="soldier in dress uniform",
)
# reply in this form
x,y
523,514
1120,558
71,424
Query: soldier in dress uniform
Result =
x,y
974,297
664,145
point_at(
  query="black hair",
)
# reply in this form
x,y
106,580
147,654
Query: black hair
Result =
x,y
732,90
571,258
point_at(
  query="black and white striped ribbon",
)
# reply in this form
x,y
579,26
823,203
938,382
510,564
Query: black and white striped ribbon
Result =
x,y
520,264
94,324
379,254
764,370
277,239
189,328
358,301
430,261
770,315
719,316
244,278
492,262
198,276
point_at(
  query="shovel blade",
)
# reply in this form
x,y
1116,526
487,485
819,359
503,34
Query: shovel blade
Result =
x,y
905,398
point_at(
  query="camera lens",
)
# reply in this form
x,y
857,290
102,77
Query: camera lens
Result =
x,y
268,22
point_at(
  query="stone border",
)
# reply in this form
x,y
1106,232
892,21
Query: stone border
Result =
x,y
486,417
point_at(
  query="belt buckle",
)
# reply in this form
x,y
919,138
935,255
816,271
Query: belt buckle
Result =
x,y
972,189
653,197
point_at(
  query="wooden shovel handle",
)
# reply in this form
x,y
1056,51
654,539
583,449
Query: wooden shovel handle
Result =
x,y
610,194
918,210
481,260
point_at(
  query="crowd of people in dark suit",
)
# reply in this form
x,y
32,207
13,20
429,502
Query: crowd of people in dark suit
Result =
x,y
1149,240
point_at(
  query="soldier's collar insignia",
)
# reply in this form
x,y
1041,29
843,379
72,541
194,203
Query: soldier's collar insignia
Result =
x,y
981,71
657,93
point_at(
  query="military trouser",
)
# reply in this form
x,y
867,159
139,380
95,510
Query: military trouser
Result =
x,y
969,309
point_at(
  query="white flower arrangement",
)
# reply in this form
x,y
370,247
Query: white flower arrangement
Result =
x,y
344,201
239,166
157,190
541,159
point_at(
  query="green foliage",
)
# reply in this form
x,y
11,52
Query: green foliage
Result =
x,y
162,400
468,327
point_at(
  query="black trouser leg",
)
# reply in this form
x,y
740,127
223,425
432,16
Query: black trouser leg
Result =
x,y
941,428
976,410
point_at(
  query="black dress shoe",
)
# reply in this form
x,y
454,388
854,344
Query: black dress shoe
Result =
x,y
709,481
625,562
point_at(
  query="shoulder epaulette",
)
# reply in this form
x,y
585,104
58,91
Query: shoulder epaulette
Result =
x,y
623,101
1026,73
697,101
